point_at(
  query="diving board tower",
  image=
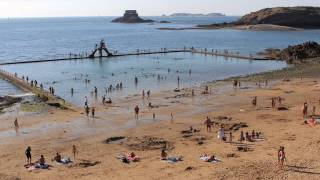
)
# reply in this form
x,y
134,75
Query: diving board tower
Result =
x,y
101,48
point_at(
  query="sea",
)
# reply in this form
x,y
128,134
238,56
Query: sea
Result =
x,y
28,39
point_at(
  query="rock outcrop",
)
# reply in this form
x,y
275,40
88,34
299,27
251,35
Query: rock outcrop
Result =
x,y
302,51
300,17
281,18
131,16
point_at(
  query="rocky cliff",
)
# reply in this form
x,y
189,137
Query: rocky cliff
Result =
x,y
300,17
131,16
302,51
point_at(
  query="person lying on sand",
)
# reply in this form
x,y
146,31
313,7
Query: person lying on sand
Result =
x,y
164,157
211,159
127,158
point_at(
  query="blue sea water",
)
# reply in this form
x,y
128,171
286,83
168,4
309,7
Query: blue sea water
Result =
x,y
42,38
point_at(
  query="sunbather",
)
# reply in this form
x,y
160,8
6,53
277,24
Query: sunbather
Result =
x,y
57,158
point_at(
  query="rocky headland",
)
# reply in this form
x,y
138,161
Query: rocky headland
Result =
x,y
273,19
296,53
131,16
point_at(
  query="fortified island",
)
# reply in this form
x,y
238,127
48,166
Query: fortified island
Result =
x,y
131,16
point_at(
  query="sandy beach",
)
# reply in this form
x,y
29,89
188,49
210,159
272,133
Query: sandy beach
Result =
x,y
54,130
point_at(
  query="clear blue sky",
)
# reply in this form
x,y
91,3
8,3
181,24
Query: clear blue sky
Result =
x,y
54,8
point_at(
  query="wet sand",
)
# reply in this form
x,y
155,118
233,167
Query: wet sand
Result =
x,y
57,130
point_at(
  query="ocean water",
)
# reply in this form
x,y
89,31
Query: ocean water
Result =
x,y
28,39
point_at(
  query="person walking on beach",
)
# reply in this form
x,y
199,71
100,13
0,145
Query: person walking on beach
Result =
x,y
74,151
281,157
148,93
143,94
28,155
230,137
208,123
136,110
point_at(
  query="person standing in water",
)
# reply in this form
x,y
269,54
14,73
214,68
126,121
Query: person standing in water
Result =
x,y
28,155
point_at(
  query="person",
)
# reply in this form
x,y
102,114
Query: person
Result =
x,y
16,124
74,151
72,91
148,93
273,102
42,161
143,94
93,110
87,109
314,110
86,101
281,156
57,158
28,154
103,99
241,137
221,135
254,101
136,110
164,155
171,118
192,92
305,110
208,123
230,137
154,116
95,90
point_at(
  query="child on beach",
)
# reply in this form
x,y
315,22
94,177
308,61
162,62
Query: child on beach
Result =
x,y
281,156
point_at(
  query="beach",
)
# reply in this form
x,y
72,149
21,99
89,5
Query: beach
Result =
x,y
50,130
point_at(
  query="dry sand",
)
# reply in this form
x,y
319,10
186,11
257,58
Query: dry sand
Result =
x,y
57,130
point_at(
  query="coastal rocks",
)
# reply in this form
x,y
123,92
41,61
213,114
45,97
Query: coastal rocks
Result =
x,y
116,139
131,16
301,51
148,143
7,101
301,17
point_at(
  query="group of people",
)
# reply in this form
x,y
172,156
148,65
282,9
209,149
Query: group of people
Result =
x,y
249,137
41,163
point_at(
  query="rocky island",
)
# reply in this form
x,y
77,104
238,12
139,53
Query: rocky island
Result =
x,y
131,16
195,15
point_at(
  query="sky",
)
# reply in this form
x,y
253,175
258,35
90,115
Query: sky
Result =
x,y
58,8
